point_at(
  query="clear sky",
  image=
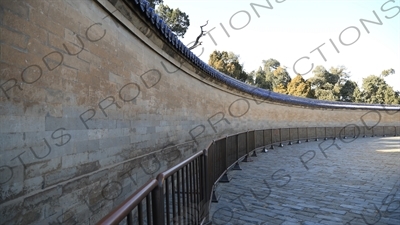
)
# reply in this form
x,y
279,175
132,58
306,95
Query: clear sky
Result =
x,y
294,28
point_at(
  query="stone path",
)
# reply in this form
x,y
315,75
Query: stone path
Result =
x,y
343,181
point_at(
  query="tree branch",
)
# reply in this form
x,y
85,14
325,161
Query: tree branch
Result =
x,y
196,43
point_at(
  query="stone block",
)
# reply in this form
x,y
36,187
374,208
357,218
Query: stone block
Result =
x,y
59,176
151,130
110,160
15,22
97,155
123,123
75,185
58,16
10,212
42,167
113,142
10,124
13,38
75,62
104,124
91,58
42,198
74,160
87,146
54,123
87,168
11,141
12,183
33,184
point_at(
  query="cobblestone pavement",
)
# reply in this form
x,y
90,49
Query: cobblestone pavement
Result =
x,y
342,181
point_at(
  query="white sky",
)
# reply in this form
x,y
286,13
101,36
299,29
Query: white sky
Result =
x,y
293,28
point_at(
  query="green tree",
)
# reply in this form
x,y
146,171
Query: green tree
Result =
x,y
281,79
270,64
177,20
322,84
325,93
260,79
388,72
228,63
276,78
343,87
358,95
332,85
299,87
346,91
250,79
377,91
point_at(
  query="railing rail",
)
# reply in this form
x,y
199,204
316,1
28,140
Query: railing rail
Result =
x,y
182,194
124,210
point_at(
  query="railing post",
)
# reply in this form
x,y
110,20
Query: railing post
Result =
x,y
237,166
307,134
325,138
205,187
225,178
263,138
213,176
334,132
157,198
384,131
129,219
290,139
272,141
246,158
298,136
254,152
316,134
280,138
226,152
364,132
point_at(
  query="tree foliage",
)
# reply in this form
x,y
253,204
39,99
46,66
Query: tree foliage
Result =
x,y
281,80
259,79
272,77
177,20
299,87
376,90
270,64
228,63
330,85
388,72
346,92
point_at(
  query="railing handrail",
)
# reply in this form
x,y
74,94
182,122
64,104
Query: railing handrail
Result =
x,y
120,212
177,167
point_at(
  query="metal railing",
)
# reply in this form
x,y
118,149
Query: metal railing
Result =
x,y
182,194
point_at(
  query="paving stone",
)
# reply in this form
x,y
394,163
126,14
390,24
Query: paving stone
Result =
x,y
342,188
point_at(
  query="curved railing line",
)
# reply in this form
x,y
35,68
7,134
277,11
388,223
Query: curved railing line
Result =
x,y
169,172
126,207
199,174
157,22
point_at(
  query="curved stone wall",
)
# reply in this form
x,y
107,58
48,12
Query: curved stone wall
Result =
x,y
95,101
